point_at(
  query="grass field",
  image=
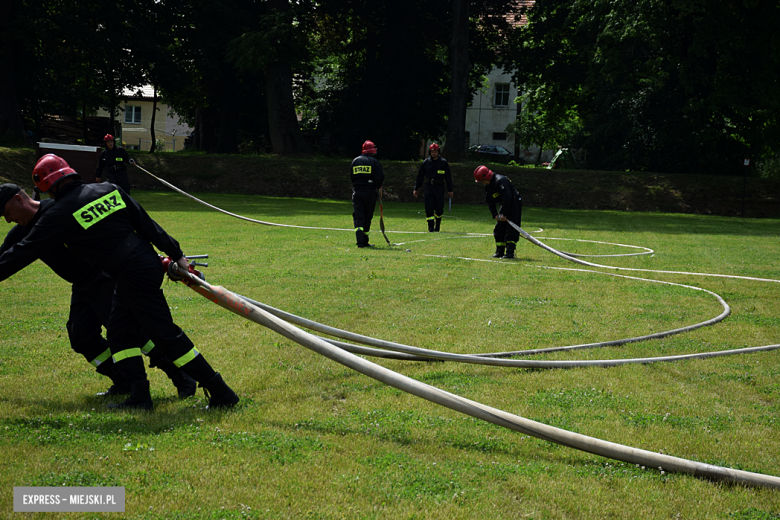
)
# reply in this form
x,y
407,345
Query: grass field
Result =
x,y
313,439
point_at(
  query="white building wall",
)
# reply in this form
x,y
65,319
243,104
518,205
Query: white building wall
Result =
x,y
484,118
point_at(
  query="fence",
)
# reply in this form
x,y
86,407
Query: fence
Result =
x,y
168,142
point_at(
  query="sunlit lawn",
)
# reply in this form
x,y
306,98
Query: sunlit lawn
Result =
x,y
312,439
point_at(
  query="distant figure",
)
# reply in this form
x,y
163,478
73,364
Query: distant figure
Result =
x,y
367,177
500,189
434,173
113,160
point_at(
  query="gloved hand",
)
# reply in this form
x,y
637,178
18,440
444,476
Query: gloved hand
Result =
x,y
183,264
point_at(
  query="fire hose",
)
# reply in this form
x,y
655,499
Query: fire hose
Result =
x,y
240,306
252,311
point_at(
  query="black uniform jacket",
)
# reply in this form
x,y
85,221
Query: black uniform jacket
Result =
x,y
366,173
58,258
434,173
94,221
115,159
500,190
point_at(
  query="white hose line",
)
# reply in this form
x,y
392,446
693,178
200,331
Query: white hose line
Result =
x,y
589,264
472,358
234,303
274,224
647,250
482,359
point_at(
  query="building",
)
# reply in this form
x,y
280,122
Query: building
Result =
x,y
492,108
135,121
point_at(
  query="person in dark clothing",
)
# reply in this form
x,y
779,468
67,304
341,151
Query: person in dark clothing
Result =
x,y
105,227
367,177
434,173
91,297
113,164
499,189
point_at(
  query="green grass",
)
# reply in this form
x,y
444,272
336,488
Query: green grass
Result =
x,y
313,439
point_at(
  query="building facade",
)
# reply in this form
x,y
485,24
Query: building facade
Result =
x,y
134,122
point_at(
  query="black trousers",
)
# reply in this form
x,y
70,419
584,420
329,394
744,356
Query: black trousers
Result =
x,y
90,306
503,232
434,201
119,178
139,302
363,205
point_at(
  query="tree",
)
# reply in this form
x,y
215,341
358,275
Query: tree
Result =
x,y
542,123
10,45
459,90
275,46
679,85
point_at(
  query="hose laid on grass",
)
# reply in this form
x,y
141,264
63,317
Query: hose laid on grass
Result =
x,y
411,353
274,224
249,311
534,241
254,313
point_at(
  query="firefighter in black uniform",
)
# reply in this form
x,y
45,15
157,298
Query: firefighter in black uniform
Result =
x,y
113,161
499,189
434,173
91,297
105,227
367,177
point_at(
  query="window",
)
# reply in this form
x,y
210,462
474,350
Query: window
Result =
x,y
501,96
132,114
499,136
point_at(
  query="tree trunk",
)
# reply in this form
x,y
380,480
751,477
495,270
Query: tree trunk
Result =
x,y
456,125
10,111
153,147
286,136
228,112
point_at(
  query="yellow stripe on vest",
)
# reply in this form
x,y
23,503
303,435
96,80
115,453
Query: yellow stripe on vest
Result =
x,y
99,209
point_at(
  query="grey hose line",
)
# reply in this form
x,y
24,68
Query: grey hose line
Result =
x,y
647,251
589,264
238,305
264,223
492,359
525,235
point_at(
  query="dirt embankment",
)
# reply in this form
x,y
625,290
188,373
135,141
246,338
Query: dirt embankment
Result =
x,y
329,178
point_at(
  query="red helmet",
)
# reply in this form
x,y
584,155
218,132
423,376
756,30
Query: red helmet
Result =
x,y
434,146
49,170
108,137
368,147
482,173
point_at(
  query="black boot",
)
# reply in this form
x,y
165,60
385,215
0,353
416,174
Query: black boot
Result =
x,y
219,393
437,227
499,252
120,385
510,251
183,383
140,398
430,225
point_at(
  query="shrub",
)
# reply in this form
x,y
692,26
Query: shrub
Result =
x,y
769,168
